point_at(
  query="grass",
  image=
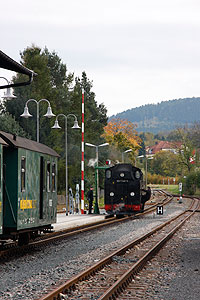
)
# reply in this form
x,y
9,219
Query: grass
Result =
x,y
171,188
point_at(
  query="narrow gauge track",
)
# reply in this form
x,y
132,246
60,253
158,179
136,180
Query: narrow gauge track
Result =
x,y
12,249
114,274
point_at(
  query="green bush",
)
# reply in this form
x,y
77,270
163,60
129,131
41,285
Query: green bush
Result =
x,y
191,182
159,179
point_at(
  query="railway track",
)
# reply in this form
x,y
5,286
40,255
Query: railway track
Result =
x,y
114,275
12,249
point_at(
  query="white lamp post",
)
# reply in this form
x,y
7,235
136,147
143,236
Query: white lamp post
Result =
x,y
8,94
146,158
26,113
146,169
56,126
129,150
97,159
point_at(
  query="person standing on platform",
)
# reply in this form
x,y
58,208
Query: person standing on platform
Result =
x,y
90,199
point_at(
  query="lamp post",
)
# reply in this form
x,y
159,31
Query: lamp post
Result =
x,y
140,156
56,126
146,158
96,208
146,170
8,94
129,150
26,113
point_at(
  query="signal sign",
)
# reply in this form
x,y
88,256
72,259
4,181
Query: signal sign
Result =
x,y
159,209
108,162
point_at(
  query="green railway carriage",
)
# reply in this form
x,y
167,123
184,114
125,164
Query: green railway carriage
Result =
x,y
28,187
1,185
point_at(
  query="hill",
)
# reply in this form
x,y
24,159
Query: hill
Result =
x,y
164,116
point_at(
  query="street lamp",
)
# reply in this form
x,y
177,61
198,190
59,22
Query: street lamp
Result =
x,y
56,126
146,169
129,150
139,156
26,113
8,94
146,158
96,208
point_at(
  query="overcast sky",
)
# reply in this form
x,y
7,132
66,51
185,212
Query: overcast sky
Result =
x,y
136,52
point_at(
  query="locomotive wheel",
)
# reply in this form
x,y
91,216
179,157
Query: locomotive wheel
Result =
x,y
109,216
119,216
24,238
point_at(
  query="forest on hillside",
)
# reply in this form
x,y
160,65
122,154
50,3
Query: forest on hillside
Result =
x,y
164,116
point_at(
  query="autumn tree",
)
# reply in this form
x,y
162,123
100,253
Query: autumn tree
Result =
x,y
122,135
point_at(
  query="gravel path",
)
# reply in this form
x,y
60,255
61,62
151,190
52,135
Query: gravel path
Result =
x,y
178,266
28,276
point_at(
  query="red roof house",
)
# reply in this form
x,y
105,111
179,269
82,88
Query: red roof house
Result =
x,y
163,146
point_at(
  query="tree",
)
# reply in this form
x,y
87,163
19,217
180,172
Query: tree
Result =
x,y
55,84
194,134
95,119
186,150
122,134
10,125
165,163
51,83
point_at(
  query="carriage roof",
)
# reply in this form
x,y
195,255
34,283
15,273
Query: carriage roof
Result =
x,y
19,142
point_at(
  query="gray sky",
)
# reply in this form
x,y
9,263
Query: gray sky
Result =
x,y
135,51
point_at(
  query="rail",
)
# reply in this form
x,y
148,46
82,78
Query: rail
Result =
x,y
106,268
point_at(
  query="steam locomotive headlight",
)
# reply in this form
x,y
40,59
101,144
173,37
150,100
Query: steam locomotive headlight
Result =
x,y
132,194
121,174
108,174
111,194
137,174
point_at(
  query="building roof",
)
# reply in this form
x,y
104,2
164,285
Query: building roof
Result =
x,y
19,142
163,146
9,64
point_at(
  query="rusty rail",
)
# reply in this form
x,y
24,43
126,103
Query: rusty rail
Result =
x,y
121,283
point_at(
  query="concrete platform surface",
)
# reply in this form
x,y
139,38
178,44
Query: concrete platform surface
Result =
x,y
75,220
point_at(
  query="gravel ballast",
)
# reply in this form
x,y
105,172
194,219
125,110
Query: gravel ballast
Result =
x,y
178,266
29,276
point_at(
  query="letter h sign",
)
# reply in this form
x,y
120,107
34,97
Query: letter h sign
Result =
x,y
159,209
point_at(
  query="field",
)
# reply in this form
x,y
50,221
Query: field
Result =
x,y
171,188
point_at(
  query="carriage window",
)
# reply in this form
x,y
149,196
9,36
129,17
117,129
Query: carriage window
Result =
x,y
44,175
53,177
0,173
48,177
23,174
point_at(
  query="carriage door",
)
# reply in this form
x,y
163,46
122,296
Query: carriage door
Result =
x,y
42,172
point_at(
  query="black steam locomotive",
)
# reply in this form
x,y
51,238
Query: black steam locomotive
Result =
x,y
124,193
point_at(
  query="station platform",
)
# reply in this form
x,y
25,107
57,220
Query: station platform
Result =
x,y
75,220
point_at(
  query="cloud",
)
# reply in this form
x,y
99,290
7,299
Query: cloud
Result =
x,y
136,52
